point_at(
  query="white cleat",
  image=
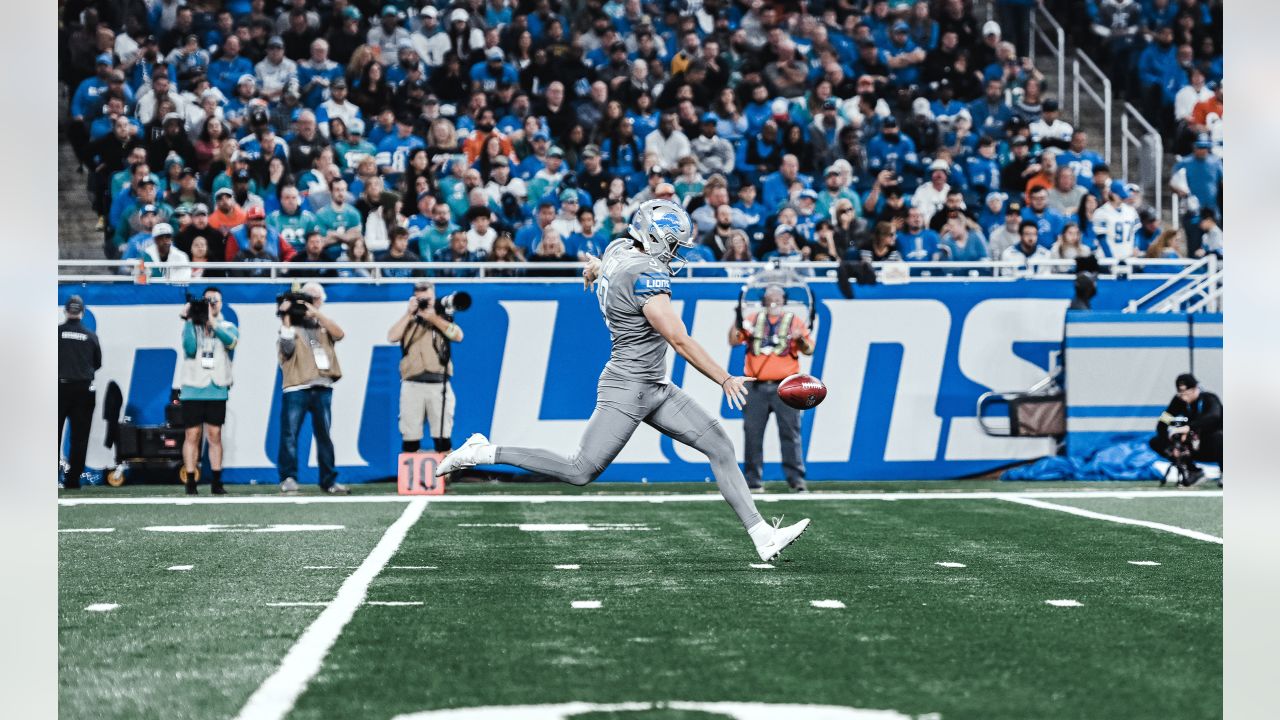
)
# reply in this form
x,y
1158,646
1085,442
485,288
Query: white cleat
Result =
x,y
773,545
475,451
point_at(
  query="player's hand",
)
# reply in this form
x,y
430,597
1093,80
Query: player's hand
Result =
x,y
412,308
591,272
735,389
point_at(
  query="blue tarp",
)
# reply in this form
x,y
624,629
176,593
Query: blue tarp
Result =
x,y
1123,461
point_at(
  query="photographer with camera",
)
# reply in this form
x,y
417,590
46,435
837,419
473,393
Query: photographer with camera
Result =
x,y
425,334
1190,429
207,342
309,366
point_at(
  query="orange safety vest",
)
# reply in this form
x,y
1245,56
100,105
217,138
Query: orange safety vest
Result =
x,y
772,357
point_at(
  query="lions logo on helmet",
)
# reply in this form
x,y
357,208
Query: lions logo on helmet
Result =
x,y
662,227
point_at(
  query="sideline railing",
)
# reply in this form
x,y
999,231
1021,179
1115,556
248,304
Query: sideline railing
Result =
x,y
1193,273
1046,29
1149,149
1103,98
130,271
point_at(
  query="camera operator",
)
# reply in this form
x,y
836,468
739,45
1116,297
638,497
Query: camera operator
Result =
x,y
207,342
425,334
775,338
79,357
309,366
1190,429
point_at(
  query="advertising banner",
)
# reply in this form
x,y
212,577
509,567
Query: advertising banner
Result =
x,y
903,364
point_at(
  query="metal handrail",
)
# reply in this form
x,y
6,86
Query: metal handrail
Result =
x,y
1157,143
1175,210
1203,292
1046,386
999,271
1056,46
1103,100
1211,298
1195,267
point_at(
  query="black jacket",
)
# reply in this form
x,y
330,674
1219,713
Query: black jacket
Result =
x,y
1204,416
79,355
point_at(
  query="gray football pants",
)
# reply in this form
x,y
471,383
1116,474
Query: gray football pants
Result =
x,y
621,405
762,399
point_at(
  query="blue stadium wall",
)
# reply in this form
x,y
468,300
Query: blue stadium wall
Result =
x,y
904,366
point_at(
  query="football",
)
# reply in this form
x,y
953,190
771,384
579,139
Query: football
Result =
x,y
802,391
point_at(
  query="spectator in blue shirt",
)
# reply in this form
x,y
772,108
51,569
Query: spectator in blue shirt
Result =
x,y
904,57
777,185
227,70
982,170
891,150
587,241
493,72
1048,222
916,242
393,152
1078,157
990,112
87,101
1201,174
457,252
530,236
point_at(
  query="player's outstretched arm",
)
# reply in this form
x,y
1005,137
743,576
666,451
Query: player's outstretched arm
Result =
x,y
663,318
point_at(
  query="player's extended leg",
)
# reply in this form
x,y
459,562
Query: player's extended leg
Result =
x,y
682,419
607,432
679,417
620,405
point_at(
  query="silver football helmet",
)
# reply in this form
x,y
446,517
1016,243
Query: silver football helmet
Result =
x,y
662,227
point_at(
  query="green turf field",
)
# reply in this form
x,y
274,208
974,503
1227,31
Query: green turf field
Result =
x,y
467,608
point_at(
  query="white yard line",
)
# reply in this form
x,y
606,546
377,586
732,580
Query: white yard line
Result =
x,y
87,530
275,698
540,499
1194,534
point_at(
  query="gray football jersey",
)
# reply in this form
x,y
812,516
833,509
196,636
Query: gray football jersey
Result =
x,y
627,280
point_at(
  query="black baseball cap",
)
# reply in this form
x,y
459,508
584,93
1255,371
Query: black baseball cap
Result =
x,y
240,175
1184,381
74,305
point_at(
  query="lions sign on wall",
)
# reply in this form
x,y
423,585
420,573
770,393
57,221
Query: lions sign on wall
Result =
x,y
904,366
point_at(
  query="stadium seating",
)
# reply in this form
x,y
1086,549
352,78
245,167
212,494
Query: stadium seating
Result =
x,y
467,127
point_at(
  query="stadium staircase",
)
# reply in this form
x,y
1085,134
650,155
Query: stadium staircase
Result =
x,y
78,237
1132,137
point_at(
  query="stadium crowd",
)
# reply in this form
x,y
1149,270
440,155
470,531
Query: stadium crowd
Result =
x,y
1165,56
526,131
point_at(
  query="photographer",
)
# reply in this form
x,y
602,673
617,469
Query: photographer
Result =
x,y
425,333
775,338
309,366
207,342
1190,429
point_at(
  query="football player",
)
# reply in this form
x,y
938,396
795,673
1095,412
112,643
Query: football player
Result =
x,y
633,286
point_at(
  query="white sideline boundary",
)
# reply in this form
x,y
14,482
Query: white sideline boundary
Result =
x,y
1194,534
660,499
275,698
